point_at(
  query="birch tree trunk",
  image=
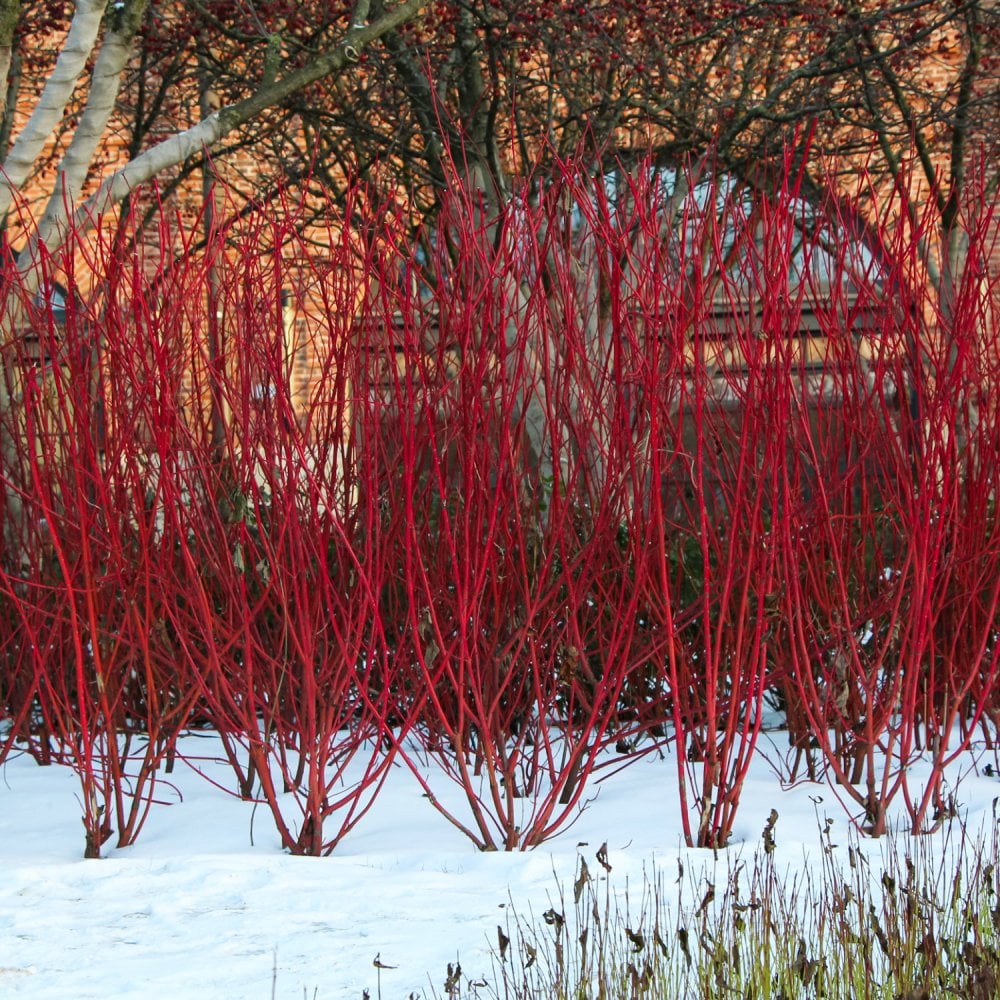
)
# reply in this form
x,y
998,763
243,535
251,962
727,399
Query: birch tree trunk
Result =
x,y
10,12
77,49
105,83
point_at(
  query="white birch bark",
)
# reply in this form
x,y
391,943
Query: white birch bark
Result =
x,y
58,90
216,126
105,83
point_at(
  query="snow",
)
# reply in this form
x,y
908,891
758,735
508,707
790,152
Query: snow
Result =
x,y
205,904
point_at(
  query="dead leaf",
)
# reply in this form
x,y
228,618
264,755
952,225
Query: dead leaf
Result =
x,y
602,857
581,881
636,938
504,942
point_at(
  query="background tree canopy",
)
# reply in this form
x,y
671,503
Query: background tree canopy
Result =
x,y
327,91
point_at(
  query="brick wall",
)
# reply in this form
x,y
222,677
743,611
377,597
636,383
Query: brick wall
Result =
x,y
306,327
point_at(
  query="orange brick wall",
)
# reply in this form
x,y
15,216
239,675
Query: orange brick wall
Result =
x,y
305,327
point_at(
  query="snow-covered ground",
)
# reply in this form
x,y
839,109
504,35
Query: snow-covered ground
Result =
x,y
207,905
